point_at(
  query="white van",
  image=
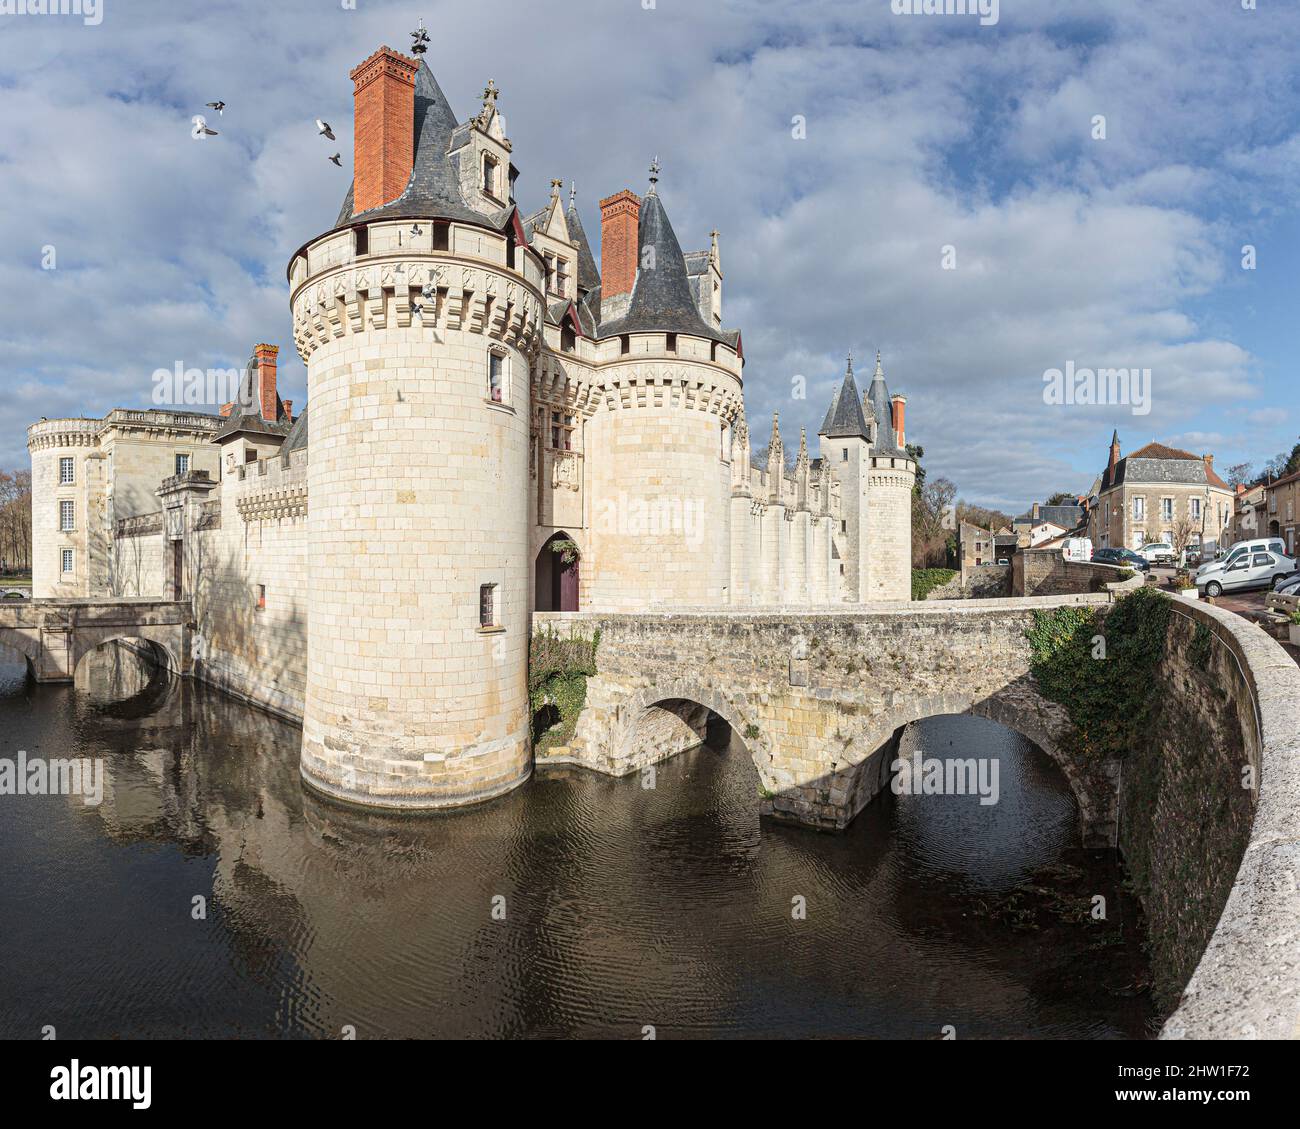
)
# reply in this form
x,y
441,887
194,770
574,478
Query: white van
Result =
x,y
1077,549
1269,545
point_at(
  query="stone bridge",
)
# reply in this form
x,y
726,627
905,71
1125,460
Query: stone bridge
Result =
x,y
54,635
820,698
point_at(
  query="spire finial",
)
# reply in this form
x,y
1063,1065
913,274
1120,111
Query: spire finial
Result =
x,y
850,362
419,39
880,372
573,192
654,172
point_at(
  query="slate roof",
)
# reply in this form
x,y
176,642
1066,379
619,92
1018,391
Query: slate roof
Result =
x,y
588,272
878,403
661,300
297,440
844,418
251,422
433,191
1156,463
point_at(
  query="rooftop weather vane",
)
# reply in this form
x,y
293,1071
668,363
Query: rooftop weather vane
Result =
x,y
654,172
419,39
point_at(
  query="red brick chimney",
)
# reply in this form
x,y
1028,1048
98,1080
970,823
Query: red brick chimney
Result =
x,y
288,409
265,355
383,128
898,404
619,217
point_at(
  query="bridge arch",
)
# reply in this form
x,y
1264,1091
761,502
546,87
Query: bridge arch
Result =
x,y
669,717
161,640
26,644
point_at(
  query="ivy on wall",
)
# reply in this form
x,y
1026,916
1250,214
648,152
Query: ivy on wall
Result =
x,y
558,669
925,580
1101,668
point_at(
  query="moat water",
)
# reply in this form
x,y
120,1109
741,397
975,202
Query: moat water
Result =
x,y
624,907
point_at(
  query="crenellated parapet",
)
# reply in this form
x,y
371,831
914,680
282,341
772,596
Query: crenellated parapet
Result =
x,y
429,294
63,433
690,386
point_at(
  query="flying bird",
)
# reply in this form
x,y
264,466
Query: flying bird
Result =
x,y
336,159
202,128
220,107
325,130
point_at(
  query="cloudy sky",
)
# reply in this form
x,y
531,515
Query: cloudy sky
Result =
x,y
919,133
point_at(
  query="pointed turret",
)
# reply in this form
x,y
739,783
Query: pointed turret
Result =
x,y
740,466
844,418
879,405
588,272
802,478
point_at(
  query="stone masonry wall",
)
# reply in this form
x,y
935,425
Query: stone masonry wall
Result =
x,y
816,696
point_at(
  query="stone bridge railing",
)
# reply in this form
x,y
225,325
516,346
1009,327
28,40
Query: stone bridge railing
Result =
x,y
54,635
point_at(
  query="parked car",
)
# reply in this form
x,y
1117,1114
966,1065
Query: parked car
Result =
x,y
1158,552
1246,570
1123,558
1273,545
1003,561
1289,585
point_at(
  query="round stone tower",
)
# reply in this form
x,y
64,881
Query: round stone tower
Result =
x,y
416,317
64,509
891,478
659,443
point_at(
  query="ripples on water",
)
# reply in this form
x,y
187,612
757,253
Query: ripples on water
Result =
x,y
624,907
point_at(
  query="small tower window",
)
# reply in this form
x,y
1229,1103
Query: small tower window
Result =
x,y
261,597
624,343
496,377
562,277
182,464
67,561
568,339
66,515
362,242
441,235
487,610
844,458
67,472
671,343
489,175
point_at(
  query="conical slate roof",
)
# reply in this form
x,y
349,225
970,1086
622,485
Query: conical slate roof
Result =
x,y
588,272
879,405
433,192
844,418
661,296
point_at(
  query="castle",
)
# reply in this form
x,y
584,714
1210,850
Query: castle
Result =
x,y
495,425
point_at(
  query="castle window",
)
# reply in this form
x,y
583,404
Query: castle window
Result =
x,y
250,454
66,514
562,277
261,597
568,339
496,377
487,605
67,472
624,343
844,526
182,464
67,561
441,235
844,458
671,343
561,431
489,175
362,240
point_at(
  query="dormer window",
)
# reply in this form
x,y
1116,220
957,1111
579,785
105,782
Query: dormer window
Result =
x,y
490,175
568,339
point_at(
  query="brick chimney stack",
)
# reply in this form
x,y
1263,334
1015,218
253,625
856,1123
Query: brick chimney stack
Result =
x,y
620,216
383,100
265,356
898,404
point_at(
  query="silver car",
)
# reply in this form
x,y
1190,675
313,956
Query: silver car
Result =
x,y
1246,570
